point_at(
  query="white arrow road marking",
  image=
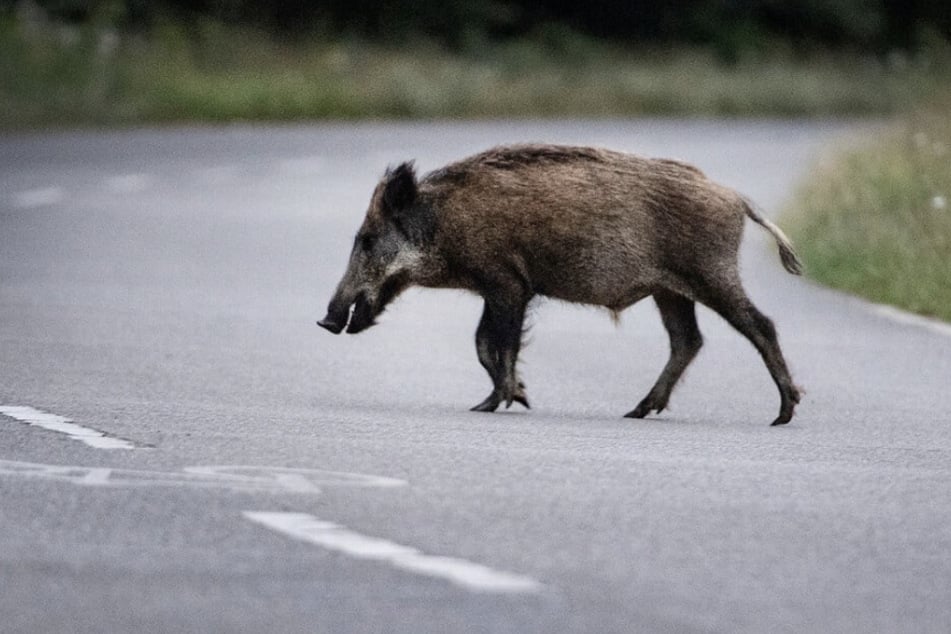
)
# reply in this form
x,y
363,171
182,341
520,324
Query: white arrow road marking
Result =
x,y
250,479
473,576
293,479
62,425
301,526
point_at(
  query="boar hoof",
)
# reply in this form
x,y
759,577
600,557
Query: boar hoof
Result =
x,y
516,396
490,404
644,408
522,399
782,419
787,408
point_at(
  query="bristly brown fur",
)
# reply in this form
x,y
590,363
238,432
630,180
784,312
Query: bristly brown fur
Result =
x,y
580,224
509,157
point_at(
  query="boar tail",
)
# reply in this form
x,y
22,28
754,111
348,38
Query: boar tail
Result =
x,y
790,260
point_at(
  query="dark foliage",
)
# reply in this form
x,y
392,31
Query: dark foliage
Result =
x,y
729,25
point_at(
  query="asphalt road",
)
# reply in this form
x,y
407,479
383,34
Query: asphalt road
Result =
x,y
162,287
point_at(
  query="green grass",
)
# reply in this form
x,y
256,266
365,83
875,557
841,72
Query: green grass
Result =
x,y
875,219
56,75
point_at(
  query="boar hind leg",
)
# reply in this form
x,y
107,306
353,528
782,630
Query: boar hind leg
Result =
x,y
498,340
680,320
734,306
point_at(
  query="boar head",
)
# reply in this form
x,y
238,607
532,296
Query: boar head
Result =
x,y
387,252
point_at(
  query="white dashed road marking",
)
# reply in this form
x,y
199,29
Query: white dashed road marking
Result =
x,y
41,197
62,425
472,576
300,526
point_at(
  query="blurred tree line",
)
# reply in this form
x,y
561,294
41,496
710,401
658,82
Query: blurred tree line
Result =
x,y
730,26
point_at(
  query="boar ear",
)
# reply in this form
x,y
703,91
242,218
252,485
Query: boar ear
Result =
x,y
399,188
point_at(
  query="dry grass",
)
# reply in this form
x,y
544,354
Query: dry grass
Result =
x,y
875,220
53,75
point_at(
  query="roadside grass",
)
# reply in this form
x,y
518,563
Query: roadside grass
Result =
x,y
875,219
51,74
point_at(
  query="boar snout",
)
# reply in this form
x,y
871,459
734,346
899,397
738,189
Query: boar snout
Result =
x,y
355,316
338,315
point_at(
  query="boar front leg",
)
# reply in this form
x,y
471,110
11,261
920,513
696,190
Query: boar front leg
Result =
x,y
498,339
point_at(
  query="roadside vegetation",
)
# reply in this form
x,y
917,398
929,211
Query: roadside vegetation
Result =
x,y
56,73
874,219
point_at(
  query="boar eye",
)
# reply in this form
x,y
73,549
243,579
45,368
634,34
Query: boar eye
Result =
x,y
367,241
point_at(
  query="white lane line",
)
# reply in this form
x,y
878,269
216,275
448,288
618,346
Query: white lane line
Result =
x,y
473,576
41,197
53,422
127,183
910,319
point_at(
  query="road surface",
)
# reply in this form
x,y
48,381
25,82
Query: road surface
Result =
x,y
183,449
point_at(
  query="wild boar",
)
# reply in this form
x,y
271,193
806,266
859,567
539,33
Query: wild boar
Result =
x,y
579,224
